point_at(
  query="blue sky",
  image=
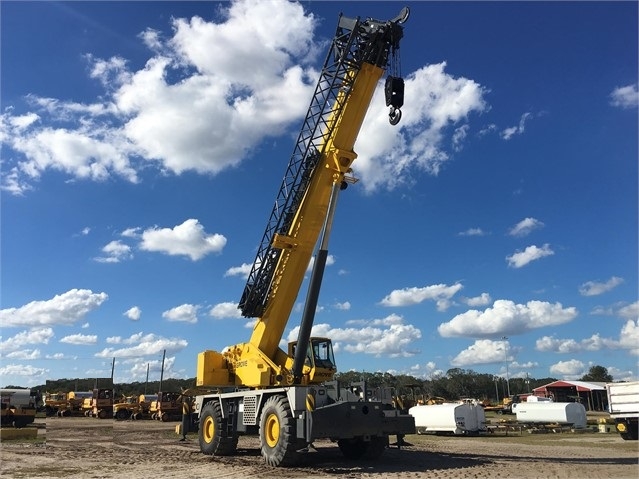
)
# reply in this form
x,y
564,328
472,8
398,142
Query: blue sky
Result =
x,y
144,143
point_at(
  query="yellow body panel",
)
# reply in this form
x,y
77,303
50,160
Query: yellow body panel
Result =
x,y
211,369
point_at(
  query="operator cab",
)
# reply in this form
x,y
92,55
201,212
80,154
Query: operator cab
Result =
x,y
319,365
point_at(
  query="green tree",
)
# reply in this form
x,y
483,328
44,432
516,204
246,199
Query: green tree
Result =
x,y
597,374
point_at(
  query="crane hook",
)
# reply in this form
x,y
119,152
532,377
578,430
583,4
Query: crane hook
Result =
x,y
394,115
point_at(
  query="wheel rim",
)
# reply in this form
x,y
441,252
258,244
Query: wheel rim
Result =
x,y
272,433
209,429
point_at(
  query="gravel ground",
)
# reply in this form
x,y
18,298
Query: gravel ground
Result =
x,y
93,448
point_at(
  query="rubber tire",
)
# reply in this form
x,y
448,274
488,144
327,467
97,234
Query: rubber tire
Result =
x,y
376,447
213,432
122,414
102,414
278,441
20,422
357,448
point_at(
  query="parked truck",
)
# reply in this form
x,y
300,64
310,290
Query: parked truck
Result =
x,y
289,398
623,406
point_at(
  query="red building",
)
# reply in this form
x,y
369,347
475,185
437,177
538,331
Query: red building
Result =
x,y
591,395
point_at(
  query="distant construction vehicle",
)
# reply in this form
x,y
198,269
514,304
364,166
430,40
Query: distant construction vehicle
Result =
x,y
290,398
145,402
17,407
505,407
53,402
124,407
169,406
133,407
66,404
102,403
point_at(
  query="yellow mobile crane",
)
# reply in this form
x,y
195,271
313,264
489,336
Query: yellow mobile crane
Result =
x,y
289,398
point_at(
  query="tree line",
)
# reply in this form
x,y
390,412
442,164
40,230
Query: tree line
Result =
x,y
456,383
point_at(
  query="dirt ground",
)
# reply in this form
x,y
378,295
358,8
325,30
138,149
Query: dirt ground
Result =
x,y
93,448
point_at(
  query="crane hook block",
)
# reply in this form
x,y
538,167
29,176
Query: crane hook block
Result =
x,y
394,91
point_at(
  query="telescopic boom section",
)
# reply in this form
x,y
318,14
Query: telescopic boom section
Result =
x,y
322,158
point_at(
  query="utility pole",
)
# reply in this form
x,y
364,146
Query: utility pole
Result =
x,y
147,378
505,338
162,372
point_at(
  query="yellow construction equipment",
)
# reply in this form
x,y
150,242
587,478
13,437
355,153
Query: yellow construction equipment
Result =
x,y
17,407
169,406
102,403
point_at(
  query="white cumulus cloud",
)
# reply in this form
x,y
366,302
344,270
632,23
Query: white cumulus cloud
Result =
x,y
23,338
570,370
507,317
594,343
625,96
80,339
114,252
187,239
440,293
133,313
225,310
383,337
22,370
525,227
142,345
63,309
594,288
482,351
481,300
531,253
186,313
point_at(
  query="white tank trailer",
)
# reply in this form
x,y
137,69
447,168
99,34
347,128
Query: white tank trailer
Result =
x,y
16,397
570,413
449,418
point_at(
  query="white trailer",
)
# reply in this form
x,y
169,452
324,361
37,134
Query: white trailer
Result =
x,y
450,418
623,406
538,399
569,413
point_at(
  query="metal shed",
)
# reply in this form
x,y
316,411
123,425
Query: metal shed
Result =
x,y
591,395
